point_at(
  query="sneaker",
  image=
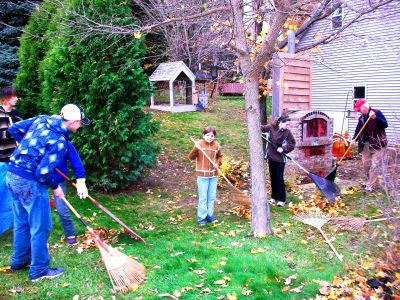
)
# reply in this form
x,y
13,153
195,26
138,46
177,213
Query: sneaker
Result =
x,y
272,201
211,219
50,274
281,203
368,189
19,267
72,240
202,223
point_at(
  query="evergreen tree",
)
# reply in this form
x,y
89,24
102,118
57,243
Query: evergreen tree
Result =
x,y
34,45
104,75
14,15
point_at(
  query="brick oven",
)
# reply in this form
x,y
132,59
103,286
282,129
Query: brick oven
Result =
x,y
313,132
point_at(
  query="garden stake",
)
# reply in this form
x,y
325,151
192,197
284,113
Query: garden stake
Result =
x,y
328,188
332,174
237,195
354,223
125,272
317,220
128,230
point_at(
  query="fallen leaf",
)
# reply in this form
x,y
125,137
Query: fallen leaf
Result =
x,y
297,290
166,295
16,290
246,292
205,291
288,280
258,250
200,272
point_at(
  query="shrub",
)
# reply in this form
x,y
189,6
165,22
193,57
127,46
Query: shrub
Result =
x,y
103,74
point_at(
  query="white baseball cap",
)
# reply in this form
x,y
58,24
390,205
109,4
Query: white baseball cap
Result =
x,y
72,112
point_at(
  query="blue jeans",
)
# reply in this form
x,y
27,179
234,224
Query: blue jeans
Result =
x,y
63,213
207,189
32,224
6,214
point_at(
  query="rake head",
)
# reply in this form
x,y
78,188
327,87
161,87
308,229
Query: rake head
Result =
x,y
315,219
126,274
239,197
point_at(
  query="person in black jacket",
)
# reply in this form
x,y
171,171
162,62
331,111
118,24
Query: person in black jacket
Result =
x,y
372,141
282,141
8,116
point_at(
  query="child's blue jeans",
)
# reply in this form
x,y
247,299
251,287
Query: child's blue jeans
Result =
x,y
63,212
207,189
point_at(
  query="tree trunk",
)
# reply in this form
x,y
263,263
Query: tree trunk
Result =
x,y
260,218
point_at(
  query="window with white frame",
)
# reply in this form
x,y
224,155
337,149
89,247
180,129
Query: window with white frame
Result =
x,y
337,18
359,92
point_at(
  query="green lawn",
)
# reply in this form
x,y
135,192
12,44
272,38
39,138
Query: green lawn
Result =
x,y
215,262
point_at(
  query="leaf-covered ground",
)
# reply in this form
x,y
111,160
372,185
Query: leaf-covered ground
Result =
x,y
223,260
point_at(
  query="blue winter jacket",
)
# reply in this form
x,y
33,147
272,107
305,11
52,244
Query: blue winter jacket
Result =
x,y
42,146
76,164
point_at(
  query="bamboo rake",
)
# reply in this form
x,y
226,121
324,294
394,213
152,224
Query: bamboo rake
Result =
x,y
356,224
127,229
125,273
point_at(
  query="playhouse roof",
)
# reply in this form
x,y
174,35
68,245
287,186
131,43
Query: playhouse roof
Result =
x,y
170,71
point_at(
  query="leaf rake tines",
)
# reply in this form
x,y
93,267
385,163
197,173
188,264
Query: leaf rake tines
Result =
x,y
317,220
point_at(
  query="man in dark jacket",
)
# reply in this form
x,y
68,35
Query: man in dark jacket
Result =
x,y
372,141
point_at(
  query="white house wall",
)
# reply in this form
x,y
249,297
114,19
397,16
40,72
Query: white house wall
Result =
x,y
367,53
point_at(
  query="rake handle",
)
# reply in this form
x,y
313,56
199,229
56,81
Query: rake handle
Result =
x,y
381,219
330,244
219,171
287,156
94,235
102,207
358,134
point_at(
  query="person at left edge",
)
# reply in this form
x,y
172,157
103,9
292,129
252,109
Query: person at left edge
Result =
x,y
42,145
8,116
79,171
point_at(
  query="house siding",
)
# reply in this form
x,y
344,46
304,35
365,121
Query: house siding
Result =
x,y
367,53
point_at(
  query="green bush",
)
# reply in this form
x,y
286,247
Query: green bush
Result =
x,y
103,74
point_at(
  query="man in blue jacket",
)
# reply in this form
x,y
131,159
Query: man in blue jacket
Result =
x,y
372,141
43,143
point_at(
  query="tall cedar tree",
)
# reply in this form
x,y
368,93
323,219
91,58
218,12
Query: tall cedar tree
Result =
x,y
14,15
102,74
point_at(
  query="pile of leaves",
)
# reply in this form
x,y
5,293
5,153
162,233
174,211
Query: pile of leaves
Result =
x,y
318,203
242,212
108,236
235,170
377,278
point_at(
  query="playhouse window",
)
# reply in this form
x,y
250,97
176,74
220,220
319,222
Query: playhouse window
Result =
x,y
337,18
